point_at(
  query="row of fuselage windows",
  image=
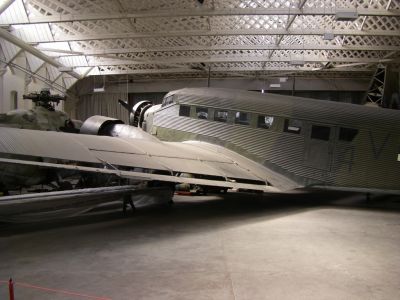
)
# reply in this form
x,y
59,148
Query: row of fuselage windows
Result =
x,y
320,132
221,115
293,126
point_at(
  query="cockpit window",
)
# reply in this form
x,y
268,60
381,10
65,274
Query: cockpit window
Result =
x,y
184,111
242,118
293,126
265,122
168,100
221,116
202,113
347,134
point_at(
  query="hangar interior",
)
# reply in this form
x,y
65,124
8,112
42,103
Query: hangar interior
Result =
x,y
321,246
327,49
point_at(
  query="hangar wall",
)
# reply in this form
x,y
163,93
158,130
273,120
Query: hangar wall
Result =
x,y
14,83
83,101
87,102
105,104
287,83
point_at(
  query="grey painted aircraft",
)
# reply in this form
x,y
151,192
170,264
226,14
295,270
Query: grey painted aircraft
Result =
x,y
228,139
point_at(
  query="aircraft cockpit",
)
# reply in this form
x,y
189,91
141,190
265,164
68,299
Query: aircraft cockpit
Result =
x,y
167,101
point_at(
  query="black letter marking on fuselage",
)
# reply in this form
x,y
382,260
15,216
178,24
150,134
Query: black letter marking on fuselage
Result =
x,y
378,150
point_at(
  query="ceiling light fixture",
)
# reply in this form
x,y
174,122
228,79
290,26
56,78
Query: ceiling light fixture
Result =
x,y
346,14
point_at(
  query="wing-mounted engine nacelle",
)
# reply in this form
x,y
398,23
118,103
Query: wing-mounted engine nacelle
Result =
x,y
99,125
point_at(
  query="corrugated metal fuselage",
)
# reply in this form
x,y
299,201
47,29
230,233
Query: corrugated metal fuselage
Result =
x,y
331,144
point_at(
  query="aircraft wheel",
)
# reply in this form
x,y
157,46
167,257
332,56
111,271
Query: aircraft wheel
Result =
x,y
127,201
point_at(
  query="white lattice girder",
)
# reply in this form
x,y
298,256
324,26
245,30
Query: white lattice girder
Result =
x,y
169,58
77,16
121,77
230,70
119,35
194,18
205,43
178,36
254,65
129,6
107,51
236,42
181,56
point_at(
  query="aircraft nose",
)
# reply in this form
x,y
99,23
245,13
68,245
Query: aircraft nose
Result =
x,y
136,117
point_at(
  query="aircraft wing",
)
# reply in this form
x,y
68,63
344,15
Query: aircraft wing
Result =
x,y
144,159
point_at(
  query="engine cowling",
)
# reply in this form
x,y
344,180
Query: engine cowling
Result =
x,y
99,125
137,115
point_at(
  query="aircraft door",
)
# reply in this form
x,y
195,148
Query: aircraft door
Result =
x,y
318,147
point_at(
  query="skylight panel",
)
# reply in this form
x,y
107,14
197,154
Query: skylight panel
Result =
x,y
15,13
33,33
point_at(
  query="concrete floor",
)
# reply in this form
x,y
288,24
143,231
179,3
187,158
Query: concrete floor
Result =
x,y
240,247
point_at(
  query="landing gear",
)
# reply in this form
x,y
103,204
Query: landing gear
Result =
x,y
127,200
65,185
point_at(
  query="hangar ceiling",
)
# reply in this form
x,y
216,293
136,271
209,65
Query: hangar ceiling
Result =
x,y
163,39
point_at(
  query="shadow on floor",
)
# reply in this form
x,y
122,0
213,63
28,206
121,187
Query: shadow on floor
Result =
x,y
215,211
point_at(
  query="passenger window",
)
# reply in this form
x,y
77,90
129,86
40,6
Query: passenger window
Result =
x,y
347,134
221,116
184,111
202,113
265,121
293,126
242,118
320,132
